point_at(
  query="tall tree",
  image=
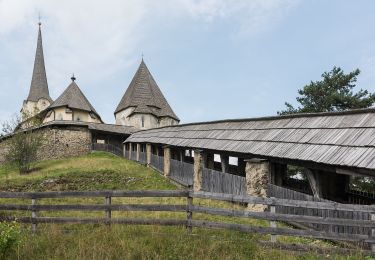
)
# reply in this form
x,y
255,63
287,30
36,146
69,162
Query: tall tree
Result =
x,y
333,93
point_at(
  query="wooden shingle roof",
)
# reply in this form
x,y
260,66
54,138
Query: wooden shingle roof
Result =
x,y
145,96
73,98
341,138
39,85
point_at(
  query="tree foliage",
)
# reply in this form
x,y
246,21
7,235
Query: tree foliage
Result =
x,y
24,141
333,93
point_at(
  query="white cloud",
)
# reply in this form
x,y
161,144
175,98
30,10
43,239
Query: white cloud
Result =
x,y
96,38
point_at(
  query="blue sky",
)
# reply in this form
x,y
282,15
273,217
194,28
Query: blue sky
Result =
x,y
213,59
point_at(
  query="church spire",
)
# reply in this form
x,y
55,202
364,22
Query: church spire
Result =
x,y
39,85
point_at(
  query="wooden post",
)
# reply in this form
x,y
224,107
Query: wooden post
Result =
x,y
273,223
373,233
138,151
108,212
148,154
33,215
167,161
189,214
130,151
124,150
224,162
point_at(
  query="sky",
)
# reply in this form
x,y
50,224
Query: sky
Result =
x,y
212,59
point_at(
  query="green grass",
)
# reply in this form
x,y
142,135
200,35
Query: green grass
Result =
x,y
98,171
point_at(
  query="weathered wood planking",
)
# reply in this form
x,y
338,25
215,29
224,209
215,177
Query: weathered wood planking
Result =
x,y
182,172
283,193
220,182
339,139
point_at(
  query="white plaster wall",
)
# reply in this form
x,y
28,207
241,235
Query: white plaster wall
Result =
x,y
150,121
60,113
31,108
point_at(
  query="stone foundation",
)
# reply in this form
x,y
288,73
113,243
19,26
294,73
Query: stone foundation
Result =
x,y
257,179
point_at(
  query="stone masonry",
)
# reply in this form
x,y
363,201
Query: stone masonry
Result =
x,y
59,143
257,179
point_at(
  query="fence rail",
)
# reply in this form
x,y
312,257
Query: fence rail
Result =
x,y
345,214
107,148
190,208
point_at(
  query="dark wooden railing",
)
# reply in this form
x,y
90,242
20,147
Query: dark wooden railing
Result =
x,y
189,207
117,150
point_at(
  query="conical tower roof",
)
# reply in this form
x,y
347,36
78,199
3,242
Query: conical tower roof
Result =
x,y
144,94
39,85
73,98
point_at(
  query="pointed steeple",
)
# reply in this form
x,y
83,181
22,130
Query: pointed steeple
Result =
x,y
145,96
39,85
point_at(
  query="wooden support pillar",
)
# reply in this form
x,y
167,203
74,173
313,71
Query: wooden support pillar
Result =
x,y
224,162
124,150
198,163
148,154
182,155
257,180
167,161
314,180
130,150
138,151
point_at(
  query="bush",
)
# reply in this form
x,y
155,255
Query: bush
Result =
x,y
10,237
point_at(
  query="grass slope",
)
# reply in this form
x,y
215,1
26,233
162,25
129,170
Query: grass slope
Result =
x,y
98,171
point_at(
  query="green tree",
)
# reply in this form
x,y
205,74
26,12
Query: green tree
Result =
x,y
23,141
333,93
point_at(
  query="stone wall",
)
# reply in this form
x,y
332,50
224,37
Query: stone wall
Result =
x,y
60,142
257,179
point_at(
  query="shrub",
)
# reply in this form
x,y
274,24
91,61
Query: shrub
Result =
x,y
10,237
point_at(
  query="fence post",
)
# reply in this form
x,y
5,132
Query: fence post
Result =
x,y
373,233
33,215
108,212
189,213
273,223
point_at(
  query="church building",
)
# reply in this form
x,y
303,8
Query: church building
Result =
x,y
143,105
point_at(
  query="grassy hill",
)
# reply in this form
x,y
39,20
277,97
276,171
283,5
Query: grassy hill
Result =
x,y
98,171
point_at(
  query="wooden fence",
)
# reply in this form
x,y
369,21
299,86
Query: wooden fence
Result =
x,y
107,207
107,148
283,193
220,182
182,172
